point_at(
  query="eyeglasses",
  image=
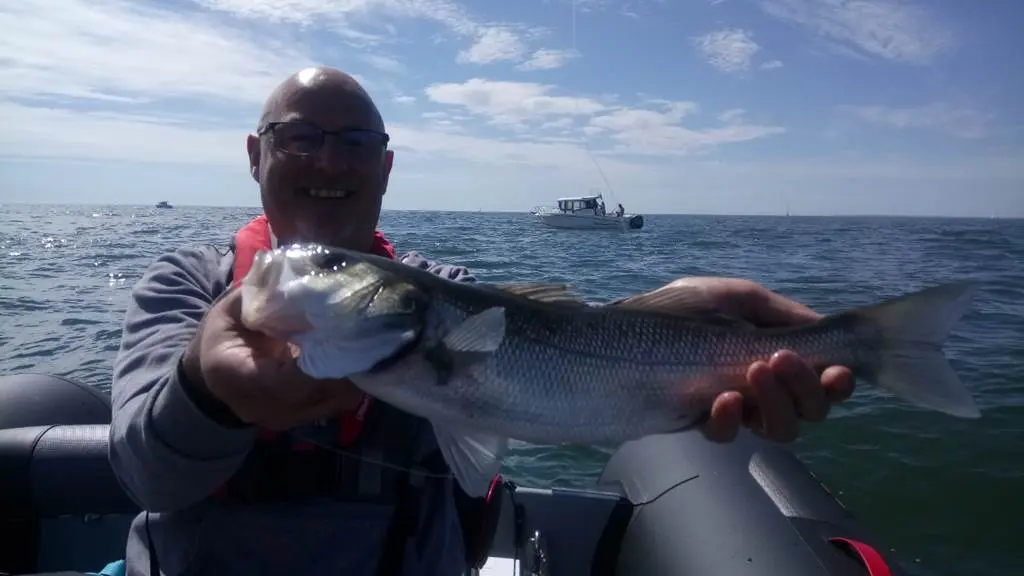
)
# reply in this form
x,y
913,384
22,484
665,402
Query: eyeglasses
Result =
x,y
303,139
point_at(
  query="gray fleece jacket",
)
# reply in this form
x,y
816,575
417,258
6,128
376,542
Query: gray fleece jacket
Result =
x,y
170,457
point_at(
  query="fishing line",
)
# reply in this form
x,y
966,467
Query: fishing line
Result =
x,y
361,457
576,106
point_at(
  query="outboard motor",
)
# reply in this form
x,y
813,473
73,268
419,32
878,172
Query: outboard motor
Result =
x,y
636,222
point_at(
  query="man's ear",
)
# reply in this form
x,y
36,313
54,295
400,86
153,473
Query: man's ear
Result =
x,y
252,146
389,161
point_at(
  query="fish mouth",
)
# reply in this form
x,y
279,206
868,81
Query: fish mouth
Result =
x,y
322,193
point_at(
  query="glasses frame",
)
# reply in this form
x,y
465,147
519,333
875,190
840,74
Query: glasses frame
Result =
x,y
271,129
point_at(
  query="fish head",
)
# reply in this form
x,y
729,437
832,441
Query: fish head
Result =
x,y
345,313
272,292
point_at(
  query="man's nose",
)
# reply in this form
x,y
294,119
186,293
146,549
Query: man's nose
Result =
x,y
333,154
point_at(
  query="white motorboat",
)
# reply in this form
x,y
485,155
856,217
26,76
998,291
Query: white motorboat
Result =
x,y
586,213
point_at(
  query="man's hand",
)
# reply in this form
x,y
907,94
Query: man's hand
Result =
x,y
782,390
257,377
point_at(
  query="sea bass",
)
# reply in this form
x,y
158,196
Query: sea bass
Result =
x,y
488,362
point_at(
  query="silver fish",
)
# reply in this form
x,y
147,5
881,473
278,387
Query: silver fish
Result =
x,y
488,362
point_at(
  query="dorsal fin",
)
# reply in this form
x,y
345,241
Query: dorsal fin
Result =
x,y
561,293
682,302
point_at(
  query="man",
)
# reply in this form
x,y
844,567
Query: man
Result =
x,y
199,401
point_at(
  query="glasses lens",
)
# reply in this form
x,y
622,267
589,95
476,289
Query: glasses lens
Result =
x,y
361,142
297,138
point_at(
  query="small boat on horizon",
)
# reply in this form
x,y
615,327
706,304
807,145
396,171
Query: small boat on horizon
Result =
x,y
163,204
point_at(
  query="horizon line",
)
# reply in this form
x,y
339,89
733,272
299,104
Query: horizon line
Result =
x,y
526,212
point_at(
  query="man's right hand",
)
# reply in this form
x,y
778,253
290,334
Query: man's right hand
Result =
x,y
256,376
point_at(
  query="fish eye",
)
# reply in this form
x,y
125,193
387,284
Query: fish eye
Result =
x,y
330,261
409,302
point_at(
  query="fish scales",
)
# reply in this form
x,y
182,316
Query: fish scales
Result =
x,y
594,377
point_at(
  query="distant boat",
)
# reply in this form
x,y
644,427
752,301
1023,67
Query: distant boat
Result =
x,y
582,213
163,204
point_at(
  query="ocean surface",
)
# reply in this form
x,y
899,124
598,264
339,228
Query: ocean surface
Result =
x,y
946,494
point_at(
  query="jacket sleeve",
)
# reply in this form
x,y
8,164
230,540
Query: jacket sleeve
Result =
x,y
164,450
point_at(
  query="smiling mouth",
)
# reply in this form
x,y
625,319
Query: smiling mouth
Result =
x,y
325,193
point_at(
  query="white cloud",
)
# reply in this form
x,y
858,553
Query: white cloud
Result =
x,y
656,129
510,103
360,23
771,65
547,59
384,63
938,116
118,51
643,131
891,29
32,131
493,44
135,59
730,49
107,80
732,116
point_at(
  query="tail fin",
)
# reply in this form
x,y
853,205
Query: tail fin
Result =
x,y
910,362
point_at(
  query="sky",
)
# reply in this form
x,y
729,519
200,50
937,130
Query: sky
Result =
x,y
669,106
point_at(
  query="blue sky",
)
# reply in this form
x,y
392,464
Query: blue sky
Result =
x,y
694,106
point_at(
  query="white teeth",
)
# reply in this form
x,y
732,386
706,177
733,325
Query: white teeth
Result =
x,y
322,193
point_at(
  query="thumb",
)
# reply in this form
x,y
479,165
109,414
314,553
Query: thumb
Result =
x,y
263,346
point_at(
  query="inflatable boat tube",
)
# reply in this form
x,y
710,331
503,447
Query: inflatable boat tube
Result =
x,y
673,505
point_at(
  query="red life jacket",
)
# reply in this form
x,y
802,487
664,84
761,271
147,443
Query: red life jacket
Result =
x,y
249,241
477,516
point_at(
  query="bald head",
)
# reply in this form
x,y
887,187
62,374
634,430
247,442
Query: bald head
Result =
x,y
321,160
318,87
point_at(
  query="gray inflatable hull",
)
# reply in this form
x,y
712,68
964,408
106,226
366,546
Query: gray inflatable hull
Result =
x,y
665,505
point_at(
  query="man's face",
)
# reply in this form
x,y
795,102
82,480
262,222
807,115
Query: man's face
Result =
x,y
322,165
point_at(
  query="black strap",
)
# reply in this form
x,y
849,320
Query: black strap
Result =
x,y
406,515
154,561
404,520
606,553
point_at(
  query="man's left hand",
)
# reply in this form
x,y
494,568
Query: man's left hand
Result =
x,y
784,389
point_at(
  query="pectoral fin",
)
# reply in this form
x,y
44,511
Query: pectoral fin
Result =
x,y
471,342
474,458
481,332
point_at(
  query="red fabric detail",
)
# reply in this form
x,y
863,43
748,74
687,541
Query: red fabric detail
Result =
x,y
249,241
352,422
253,238
870,557
494,484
